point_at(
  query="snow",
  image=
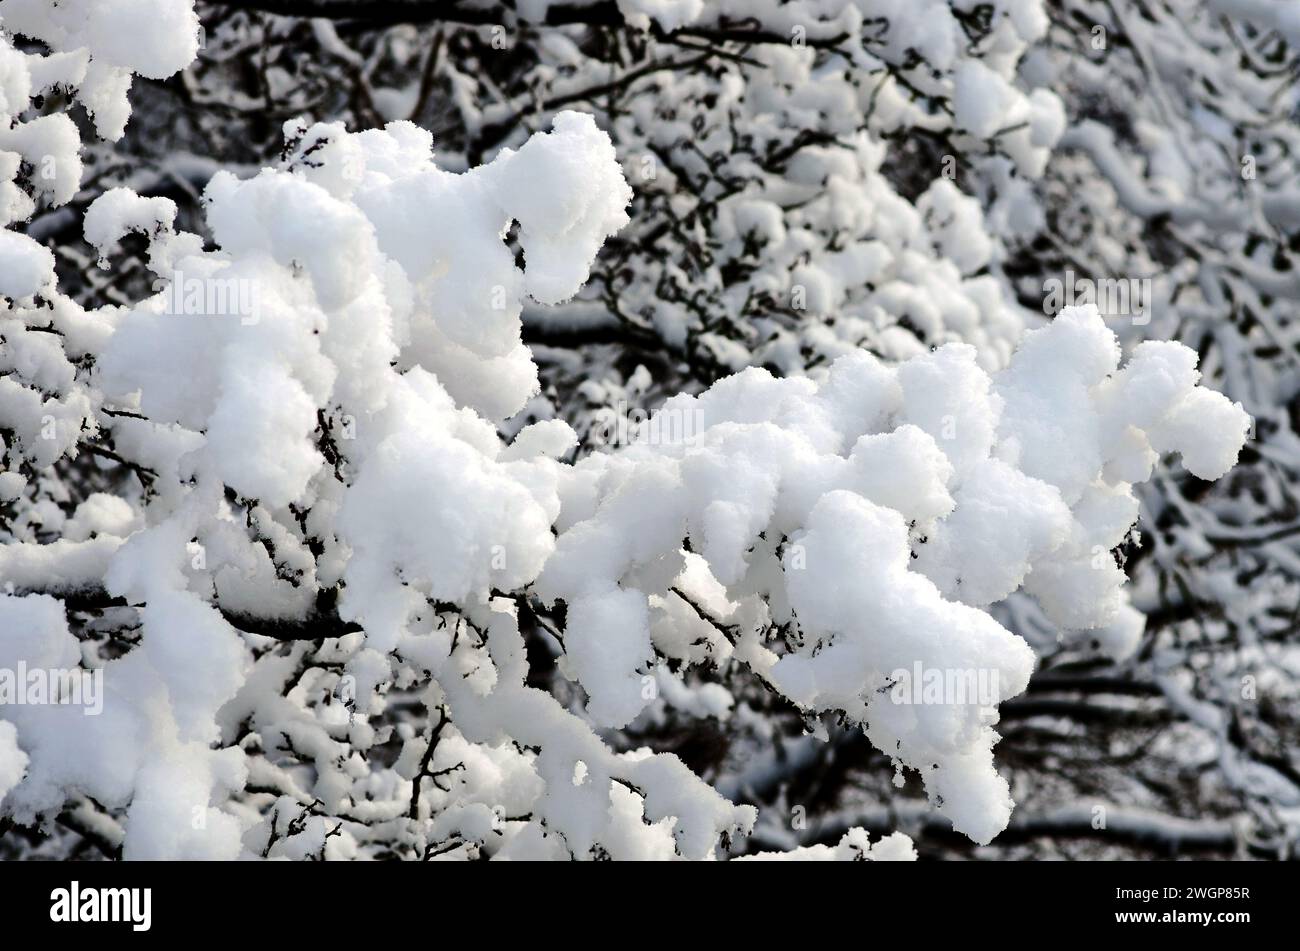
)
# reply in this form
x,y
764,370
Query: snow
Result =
x,y
29,268
154,38
568,195
119,210
958,500
855,846
325,429
667,14
13,761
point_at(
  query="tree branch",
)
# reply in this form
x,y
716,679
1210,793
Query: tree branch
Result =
x,y
393,12
311,627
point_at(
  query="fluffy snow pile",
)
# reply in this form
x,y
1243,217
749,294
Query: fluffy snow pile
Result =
x,y
846,530
327,514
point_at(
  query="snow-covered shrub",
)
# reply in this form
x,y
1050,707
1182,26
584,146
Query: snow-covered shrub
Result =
x,y
781,215
1193,189
316,510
